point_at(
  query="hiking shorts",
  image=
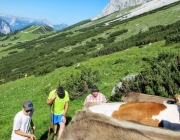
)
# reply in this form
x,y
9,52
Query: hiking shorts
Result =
x,y
56,119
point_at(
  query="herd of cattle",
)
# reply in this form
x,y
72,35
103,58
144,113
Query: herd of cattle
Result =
x,y
138,116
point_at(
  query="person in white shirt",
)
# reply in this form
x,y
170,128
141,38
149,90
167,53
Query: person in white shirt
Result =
x,y
22,123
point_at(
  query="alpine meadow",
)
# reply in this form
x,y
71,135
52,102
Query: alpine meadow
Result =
x,y
37,59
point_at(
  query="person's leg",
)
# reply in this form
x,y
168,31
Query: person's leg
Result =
x,y
62,125
54,121
55,128
55,131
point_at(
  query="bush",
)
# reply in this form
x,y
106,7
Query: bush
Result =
x,y
161,78
77,84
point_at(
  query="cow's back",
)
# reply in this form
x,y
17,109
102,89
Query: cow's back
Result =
x,y
141,97
88,125
89,104
140,112
148,113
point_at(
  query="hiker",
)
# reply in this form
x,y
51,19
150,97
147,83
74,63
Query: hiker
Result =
x,y
95,96
59,101
22,122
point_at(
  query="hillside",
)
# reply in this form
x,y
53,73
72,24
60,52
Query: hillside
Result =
x,y
114,51
22,36
91,41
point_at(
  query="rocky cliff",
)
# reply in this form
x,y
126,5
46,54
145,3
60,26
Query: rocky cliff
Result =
x,y
116,5
4,27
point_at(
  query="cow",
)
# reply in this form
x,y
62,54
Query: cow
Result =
x,y
141,97
86,125
148,113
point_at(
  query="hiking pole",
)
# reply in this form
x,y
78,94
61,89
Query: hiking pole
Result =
x,y
111,96
49,129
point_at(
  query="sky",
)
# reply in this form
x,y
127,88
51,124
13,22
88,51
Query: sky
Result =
x,y
55,11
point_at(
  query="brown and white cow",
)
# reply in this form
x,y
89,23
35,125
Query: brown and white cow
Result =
x,y
86,125
141,97
148,113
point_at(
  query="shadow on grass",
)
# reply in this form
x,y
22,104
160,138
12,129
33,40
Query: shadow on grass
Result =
x,y
48,135
45,135
68,119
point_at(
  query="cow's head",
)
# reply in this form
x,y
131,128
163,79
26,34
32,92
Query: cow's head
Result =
x,y
127,96
177,98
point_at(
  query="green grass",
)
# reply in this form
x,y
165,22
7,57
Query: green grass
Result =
x,y
37,88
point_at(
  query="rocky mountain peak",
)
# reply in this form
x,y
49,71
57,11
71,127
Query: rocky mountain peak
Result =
x,y
17,23
4,27
116,5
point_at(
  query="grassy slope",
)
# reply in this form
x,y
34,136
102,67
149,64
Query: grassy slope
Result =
x,y
162,17
25,35
36,89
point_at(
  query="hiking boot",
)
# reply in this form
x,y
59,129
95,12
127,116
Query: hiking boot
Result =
x,y
55,137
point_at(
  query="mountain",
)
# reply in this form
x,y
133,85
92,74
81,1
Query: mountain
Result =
x,y
17,23
60,26
116,5
147,5
4,27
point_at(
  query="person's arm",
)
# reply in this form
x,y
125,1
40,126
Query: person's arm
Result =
x,y
104,99
86,100
65,111
32,125
66,106
50,101
21,133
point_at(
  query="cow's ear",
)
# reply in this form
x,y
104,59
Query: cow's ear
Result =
x,y
177,97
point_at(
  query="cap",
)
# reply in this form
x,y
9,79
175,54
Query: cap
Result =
x,y
27,105
60,92
95,89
